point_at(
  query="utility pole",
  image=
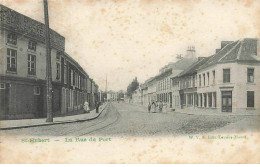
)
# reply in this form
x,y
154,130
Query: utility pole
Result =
x,y
48,65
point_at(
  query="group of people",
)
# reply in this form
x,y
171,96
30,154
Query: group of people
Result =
x,y
87,109
154,106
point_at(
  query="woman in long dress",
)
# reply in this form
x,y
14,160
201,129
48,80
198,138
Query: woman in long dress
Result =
x,y
154,107
86,106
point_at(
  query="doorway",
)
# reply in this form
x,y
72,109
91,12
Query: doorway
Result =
x,y
226,101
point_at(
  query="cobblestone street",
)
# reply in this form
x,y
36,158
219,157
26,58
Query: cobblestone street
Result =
x,y
124,119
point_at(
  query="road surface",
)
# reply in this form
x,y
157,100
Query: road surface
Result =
x,y
124,119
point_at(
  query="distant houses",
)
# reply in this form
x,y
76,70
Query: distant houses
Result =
x,y
226,82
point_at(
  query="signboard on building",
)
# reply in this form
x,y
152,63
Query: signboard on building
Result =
x,y
14,21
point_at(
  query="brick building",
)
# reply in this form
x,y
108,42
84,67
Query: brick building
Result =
x,y
23,70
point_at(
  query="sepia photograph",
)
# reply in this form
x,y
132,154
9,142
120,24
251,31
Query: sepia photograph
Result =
x,y
129,82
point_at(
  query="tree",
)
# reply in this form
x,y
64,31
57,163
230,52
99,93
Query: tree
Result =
x,y
132,87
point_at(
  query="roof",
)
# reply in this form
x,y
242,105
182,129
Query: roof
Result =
x,y
175,73
180,64
194,67
75,63
241,50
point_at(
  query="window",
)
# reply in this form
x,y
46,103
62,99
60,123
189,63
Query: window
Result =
x,y
31,64
11,60
214,76
58,71
37,90
12,39
205,100
214,99
201,100
72,78
58,57
65,71
226,75
79,84
210,99
208,77
32,45
204,80
199,80
250,75
2,86
193,81
250,99
76,79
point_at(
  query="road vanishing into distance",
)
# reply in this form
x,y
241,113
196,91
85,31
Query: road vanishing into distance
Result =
x,y
125,119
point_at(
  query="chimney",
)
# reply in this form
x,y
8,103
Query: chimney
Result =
x,y
225,43
191,52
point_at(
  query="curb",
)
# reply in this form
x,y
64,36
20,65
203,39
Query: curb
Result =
x,y
55,123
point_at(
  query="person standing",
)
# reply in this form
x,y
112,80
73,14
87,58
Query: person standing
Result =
x,y
154,107
149,107
86,107
160,106
97,106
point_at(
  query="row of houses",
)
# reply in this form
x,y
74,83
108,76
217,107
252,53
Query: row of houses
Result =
x,y
23,71
227,81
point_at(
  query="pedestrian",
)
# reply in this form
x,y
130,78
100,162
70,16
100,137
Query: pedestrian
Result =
x,y
97,106
160,106
154,105
149,107
166,107
86,107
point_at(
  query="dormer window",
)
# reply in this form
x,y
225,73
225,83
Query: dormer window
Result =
x,y
12,38
32,45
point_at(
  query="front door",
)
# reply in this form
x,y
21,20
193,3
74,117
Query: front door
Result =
x,y
226,101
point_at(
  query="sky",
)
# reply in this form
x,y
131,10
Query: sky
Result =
x,y
124,39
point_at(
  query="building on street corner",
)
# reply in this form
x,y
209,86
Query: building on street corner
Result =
x,y
226,82
23,72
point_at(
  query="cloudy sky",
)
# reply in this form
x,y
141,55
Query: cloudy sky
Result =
x,y
123,39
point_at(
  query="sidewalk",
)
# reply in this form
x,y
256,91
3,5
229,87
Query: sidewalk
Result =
x,y
197,111
249,124
26,123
